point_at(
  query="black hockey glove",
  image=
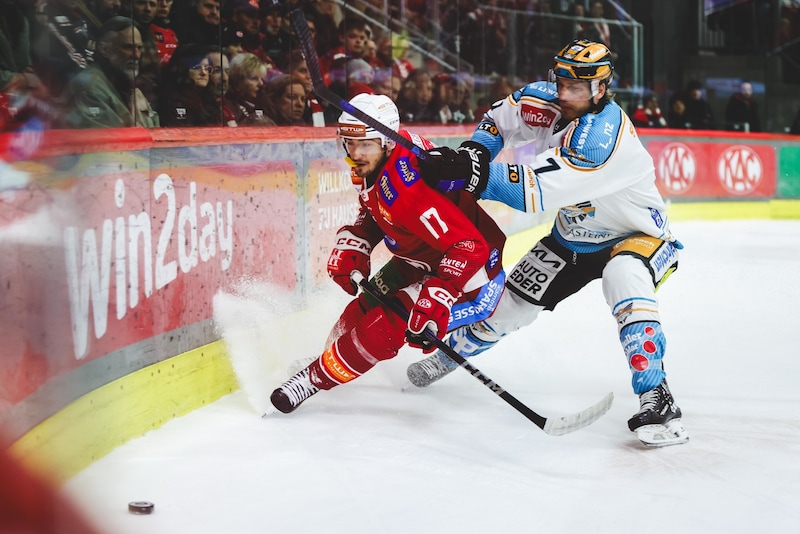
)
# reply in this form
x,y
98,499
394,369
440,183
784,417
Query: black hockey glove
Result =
x,y
466,167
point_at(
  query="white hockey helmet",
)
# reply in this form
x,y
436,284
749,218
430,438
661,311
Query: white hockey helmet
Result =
x,y
379,107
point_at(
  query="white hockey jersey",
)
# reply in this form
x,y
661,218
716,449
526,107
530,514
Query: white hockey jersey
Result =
x,y
594,170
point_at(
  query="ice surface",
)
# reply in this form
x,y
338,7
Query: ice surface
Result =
x,y
379,456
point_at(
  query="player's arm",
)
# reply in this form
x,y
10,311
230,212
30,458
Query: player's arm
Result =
x,y
444,227
354,244
524,117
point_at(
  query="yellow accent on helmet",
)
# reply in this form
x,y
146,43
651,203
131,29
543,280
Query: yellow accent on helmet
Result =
x,y
584,60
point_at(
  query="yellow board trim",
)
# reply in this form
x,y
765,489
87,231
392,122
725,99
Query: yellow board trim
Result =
x,y
100,421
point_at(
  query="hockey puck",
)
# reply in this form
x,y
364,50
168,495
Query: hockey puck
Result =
x,y
140,507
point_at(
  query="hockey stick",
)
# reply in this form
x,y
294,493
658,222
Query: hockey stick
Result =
x,y
554,427
300,26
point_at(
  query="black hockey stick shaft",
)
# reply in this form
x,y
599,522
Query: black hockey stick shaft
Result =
x,y
395,307
306,41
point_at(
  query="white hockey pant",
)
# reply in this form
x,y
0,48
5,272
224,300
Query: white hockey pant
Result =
x,y
630,294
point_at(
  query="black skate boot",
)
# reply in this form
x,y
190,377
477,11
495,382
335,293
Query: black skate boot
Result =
x,y
658,421
293,392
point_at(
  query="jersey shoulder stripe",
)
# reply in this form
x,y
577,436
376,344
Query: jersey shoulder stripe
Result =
x,y
539,91
595,138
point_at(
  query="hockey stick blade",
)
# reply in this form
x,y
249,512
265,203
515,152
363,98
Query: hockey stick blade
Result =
x,y
553,427
306,41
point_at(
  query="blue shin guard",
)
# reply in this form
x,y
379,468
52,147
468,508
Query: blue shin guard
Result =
x,y
644,345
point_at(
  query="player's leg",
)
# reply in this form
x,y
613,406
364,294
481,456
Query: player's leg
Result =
x,y
364,335
542,278
629,286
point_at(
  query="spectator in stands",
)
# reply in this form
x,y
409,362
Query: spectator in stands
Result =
x,y
414,101
284,101
61,47
352,40
295,65
218,81
499,88
232,42
105,9
187,98
391,50
276,39
97,12
245,18
597,30
676,117
648,113
348,78
612,36
445,98
16,65
104,95
198,22
324,15
578,27
741,113
165,38
696,112
246,80
163,11
23,96
385,82
143,12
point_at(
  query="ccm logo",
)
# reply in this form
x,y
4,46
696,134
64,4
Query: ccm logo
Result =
x,y
536,116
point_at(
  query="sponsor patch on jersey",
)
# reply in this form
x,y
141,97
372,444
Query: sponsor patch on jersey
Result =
x,y
480,307
657,218
513,174
386,189
408,173
467,244
452,267
488,127
576,214
534,272
385,214
536,116
494,257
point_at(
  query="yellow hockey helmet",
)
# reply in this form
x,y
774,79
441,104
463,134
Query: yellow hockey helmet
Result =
x,y
584,60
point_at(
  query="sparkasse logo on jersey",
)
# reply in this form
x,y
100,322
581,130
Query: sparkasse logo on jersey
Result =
x,y
536,116
739,170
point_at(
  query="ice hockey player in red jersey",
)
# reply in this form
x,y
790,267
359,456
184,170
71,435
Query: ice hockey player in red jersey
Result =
x,y
445,270
611,222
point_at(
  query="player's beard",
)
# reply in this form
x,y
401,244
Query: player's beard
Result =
x,y
370,172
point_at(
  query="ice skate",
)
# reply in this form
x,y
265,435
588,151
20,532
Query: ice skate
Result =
x,y
293,392
658,421
425,372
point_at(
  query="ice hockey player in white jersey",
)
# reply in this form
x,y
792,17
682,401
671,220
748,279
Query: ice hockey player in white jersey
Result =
x,y
611,222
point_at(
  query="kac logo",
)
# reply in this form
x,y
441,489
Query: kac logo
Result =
x,y
677,168
739,170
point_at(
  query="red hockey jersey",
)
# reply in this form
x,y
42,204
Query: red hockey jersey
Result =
x,y
449,236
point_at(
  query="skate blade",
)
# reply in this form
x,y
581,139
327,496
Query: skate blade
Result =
x,y
673,433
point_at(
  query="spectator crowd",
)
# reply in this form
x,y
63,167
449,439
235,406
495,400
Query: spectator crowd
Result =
x,y
187,63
